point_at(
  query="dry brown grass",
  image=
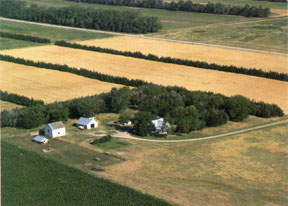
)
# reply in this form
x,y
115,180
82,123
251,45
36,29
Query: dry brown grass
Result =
x,y
227,171
209,54
279,12
8,105
259,89
48,85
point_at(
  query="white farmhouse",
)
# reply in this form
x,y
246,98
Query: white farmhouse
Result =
x,y
87,123
55,129
158,124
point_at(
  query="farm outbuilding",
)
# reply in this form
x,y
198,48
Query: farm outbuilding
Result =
x,y
87,123
40,139
159,125
55,129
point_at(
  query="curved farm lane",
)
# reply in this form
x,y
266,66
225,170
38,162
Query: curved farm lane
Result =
x,y
126,135
148,37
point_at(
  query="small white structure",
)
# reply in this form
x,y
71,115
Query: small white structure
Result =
x,y
87,123
159,127
125,123
128,123
41,140
55,129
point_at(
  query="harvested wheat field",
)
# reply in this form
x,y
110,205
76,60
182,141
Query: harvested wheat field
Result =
x,y
260,89
48,85
209,54
8,105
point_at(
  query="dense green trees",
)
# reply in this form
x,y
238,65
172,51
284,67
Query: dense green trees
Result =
x,y
189,6
119,99
198,64
185,110
237,107
110,20
24,37
143,123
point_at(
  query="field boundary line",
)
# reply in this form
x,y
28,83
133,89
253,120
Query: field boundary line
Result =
x,y
143,36
208,137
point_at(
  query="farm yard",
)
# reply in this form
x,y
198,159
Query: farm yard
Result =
x,y
48,85
229,84
210,150
245,167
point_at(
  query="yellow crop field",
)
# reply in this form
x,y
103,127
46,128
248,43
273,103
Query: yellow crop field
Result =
x,y
8,105
48,85
209,54
259,89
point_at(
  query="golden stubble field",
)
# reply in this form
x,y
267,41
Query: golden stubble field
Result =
x,y
48,85
259,89
209,54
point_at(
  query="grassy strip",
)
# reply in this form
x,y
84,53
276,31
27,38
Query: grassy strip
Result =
x,y
24,37
82,72
198,64
31,179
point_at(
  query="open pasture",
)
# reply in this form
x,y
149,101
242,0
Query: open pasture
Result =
x,y
48,85
247,168
265,34
259,89
222,56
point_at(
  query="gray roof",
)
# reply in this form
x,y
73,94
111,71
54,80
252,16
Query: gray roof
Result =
x,y
39,139
84,121
57,125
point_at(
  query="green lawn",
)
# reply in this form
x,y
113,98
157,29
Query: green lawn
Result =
x,y
28,178
53,34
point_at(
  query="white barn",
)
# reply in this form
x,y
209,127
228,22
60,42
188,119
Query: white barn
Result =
x,y
158,124
55,129
87,123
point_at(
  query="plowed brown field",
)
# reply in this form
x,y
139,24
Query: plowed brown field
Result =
x,y
48,85
209,54
260,89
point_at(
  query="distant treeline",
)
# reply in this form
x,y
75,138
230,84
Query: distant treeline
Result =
x,y
24,37
273,0
20,100
187,110
110,20
189,6
198,64
82,72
